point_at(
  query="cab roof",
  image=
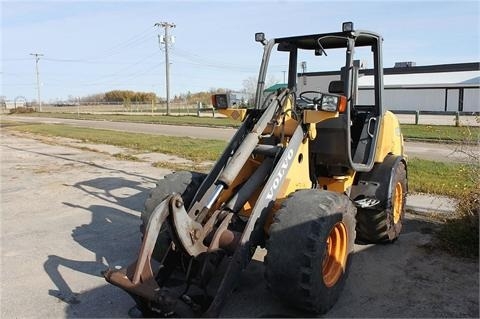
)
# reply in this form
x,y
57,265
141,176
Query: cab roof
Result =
x,y
333,40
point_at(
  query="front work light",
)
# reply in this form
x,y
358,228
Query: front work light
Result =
x,y
347,26
260,37
329,103
333,103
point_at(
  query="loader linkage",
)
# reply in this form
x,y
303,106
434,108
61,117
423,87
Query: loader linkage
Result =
x,y
140,281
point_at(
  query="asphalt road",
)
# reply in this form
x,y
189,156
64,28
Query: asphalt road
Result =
x,y
430,151
67,214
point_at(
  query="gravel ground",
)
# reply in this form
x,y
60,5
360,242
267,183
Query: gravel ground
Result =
x,y
68,213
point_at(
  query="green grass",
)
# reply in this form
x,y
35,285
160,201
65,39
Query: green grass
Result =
x,y
459,235
155,119
126,157
441,132
197,167
193,149
441,178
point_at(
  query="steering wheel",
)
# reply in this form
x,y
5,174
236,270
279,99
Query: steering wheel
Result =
x,y
310,97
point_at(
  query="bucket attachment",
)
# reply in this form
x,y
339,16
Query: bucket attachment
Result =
x,y
194,249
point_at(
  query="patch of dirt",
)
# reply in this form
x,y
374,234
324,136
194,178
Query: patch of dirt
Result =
x,y
112,150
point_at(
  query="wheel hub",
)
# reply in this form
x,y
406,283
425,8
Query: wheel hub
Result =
x,y
397,203
335,258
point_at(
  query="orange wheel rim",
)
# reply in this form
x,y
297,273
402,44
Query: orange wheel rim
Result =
x,y
335,257
397,203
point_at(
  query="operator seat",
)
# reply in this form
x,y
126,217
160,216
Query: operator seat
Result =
x,y
360,140
330,147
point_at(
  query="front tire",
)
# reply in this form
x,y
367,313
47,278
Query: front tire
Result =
x,y
308,249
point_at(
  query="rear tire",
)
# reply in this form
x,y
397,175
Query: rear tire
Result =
x,y
308,249
184,183
384,225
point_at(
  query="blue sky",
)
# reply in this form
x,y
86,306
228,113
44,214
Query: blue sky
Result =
x,y
96,46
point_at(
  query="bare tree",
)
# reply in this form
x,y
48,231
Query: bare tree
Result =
x,y
250,84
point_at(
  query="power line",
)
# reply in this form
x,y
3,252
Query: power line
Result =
x,y
121,72
167,40
16,59
124,77
208,62
37,58
116,49
135,40
131,42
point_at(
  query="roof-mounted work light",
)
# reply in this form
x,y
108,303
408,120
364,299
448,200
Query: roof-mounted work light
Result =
x,y
260,37
347,26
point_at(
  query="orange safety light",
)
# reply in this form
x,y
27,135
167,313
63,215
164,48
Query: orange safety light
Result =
x,y
342,104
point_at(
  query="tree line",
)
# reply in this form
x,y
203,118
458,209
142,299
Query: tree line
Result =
x,y
121,96
125,95
204,97
128,96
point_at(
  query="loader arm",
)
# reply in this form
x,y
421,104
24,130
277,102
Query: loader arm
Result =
x,y
253,231
248,169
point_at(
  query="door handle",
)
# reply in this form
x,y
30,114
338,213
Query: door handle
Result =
x,y
371,128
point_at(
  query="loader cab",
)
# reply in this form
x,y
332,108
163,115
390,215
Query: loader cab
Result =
x,y
346,142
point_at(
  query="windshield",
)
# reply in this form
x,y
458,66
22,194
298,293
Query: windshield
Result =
x,y
314,70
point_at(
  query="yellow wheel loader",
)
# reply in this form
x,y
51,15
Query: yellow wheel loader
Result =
x,y
310,171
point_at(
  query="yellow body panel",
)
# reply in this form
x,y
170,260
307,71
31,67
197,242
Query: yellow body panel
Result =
x,y
298,176
287,129
339,184
286,124
390,139
236,114
311,116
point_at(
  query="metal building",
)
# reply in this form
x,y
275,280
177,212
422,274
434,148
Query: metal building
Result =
x,y
445,87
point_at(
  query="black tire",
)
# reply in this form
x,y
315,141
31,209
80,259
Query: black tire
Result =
x,y
297,262
183,183
384,225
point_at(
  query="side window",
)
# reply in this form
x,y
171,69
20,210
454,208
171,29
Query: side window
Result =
x,y
365,83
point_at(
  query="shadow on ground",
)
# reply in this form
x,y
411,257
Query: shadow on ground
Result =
x,y
112,235
404,279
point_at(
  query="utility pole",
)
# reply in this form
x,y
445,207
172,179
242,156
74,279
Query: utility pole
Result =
x,y
166,41
37,58
304,69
